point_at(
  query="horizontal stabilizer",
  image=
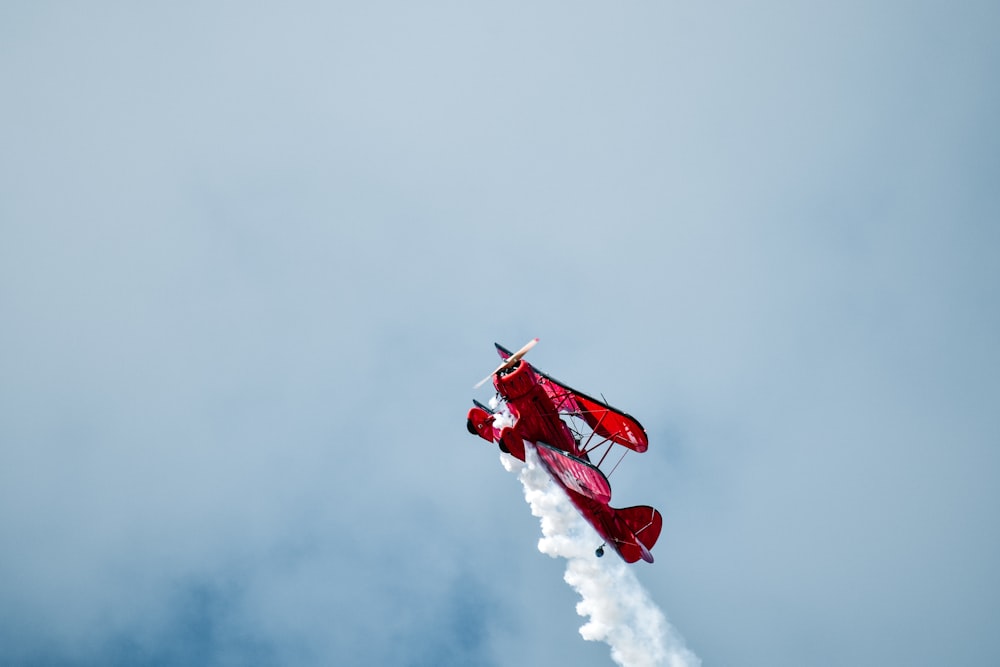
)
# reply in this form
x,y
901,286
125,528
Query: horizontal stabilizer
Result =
x,y
636,530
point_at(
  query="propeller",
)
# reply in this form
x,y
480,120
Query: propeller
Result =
x,y
509,361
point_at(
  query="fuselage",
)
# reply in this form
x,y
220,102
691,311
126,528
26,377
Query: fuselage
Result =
x,y
537,419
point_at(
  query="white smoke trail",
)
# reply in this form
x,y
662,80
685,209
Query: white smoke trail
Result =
x,y
620,610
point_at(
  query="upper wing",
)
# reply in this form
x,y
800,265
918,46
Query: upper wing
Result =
x,y
606,421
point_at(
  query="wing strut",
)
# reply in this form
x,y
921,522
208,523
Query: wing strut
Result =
x,y
619,460
593,432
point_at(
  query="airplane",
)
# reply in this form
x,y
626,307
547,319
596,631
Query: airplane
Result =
x,y
566,427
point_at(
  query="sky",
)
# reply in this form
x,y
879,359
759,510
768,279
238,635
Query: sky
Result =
x,y
253,257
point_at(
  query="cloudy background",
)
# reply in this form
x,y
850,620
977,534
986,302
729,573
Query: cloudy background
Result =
x,y
254,255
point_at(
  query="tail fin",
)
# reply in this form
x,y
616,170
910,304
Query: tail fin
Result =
x,y
636,531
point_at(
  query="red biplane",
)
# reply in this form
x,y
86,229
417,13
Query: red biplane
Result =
x,y
566,428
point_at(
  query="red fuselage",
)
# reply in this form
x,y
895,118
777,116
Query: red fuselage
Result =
x,y
537,417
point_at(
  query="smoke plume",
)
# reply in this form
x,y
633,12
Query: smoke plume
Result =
x,y
619,609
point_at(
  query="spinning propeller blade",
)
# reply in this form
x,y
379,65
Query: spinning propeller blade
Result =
x,y
510,361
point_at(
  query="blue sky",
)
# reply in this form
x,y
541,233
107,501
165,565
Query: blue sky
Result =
x,y
253,256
